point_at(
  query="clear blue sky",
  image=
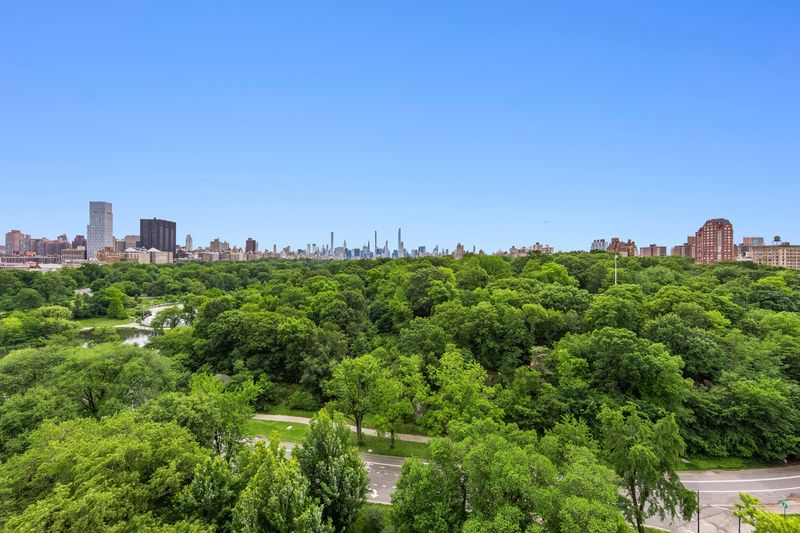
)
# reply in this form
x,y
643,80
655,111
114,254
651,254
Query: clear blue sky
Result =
x,y
492,123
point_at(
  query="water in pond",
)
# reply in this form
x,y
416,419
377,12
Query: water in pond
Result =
x,y
133,336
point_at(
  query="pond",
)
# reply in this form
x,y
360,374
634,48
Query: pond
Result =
x,y
130,336
138,337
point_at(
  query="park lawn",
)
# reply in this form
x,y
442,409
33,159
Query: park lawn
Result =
x,y
283,410
402,448
287,431
369,419
101,321
294,432
151,300
721,463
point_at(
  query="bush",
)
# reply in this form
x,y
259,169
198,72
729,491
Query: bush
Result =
x,y
371,519
303,400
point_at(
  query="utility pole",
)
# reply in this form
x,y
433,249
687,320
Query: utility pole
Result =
x,y
698,511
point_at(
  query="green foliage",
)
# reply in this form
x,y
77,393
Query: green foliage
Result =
x,y
547,342
87,475
328,458
490,477
355,385
215,415
460,394
276,496
764,521
646,456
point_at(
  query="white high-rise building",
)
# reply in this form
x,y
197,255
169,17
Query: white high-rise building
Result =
x,y
100,231
189,243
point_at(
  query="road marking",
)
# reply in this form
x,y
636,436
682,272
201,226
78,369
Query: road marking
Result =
x,y
747,490
381,464
739,480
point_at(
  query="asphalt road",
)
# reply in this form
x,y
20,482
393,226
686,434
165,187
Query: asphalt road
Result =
x,y
383,473
719,489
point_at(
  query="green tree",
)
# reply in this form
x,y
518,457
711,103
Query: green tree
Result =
x,y
28,299
338,479
355,387
119,473
460,393
621,306
430,497
212,493
400,393
762,520
215,414
276,497
646,455
104,379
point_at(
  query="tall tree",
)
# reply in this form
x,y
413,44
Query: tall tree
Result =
x,y
355,387
337,476
646,455
276,497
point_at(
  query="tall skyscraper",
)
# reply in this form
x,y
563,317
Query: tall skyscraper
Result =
x,y
100,231
653,250
189,243
714,242
376,242
400,250
15,241
598,244
330,250
158,234
250,246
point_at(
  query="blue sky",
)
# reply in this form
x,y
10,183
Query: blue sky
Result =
x,y
492,123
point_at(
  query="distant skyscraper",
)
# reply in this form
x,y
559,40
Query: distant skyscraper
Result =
x,y
714,242
14,241
330,250
100,231
189,243
598,244
753,241
623,248
250,246
653,251
158,234
376,242
400,251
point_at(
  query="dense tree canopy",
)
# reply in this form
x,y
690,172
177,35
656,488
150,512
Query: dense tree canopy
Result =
x,y
494,355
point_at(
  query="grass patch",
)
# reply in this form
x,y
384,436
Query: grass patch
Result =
x,y
287,431
721,463
401,448
294,432
283,410
369,419
101,321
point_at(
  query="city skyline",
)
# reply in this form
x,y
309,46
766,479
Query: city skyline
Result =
x,y
477,124
153,231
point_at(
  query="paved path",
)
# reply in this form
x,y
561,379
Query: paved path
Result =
x,y
719,489
383,473
367,431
